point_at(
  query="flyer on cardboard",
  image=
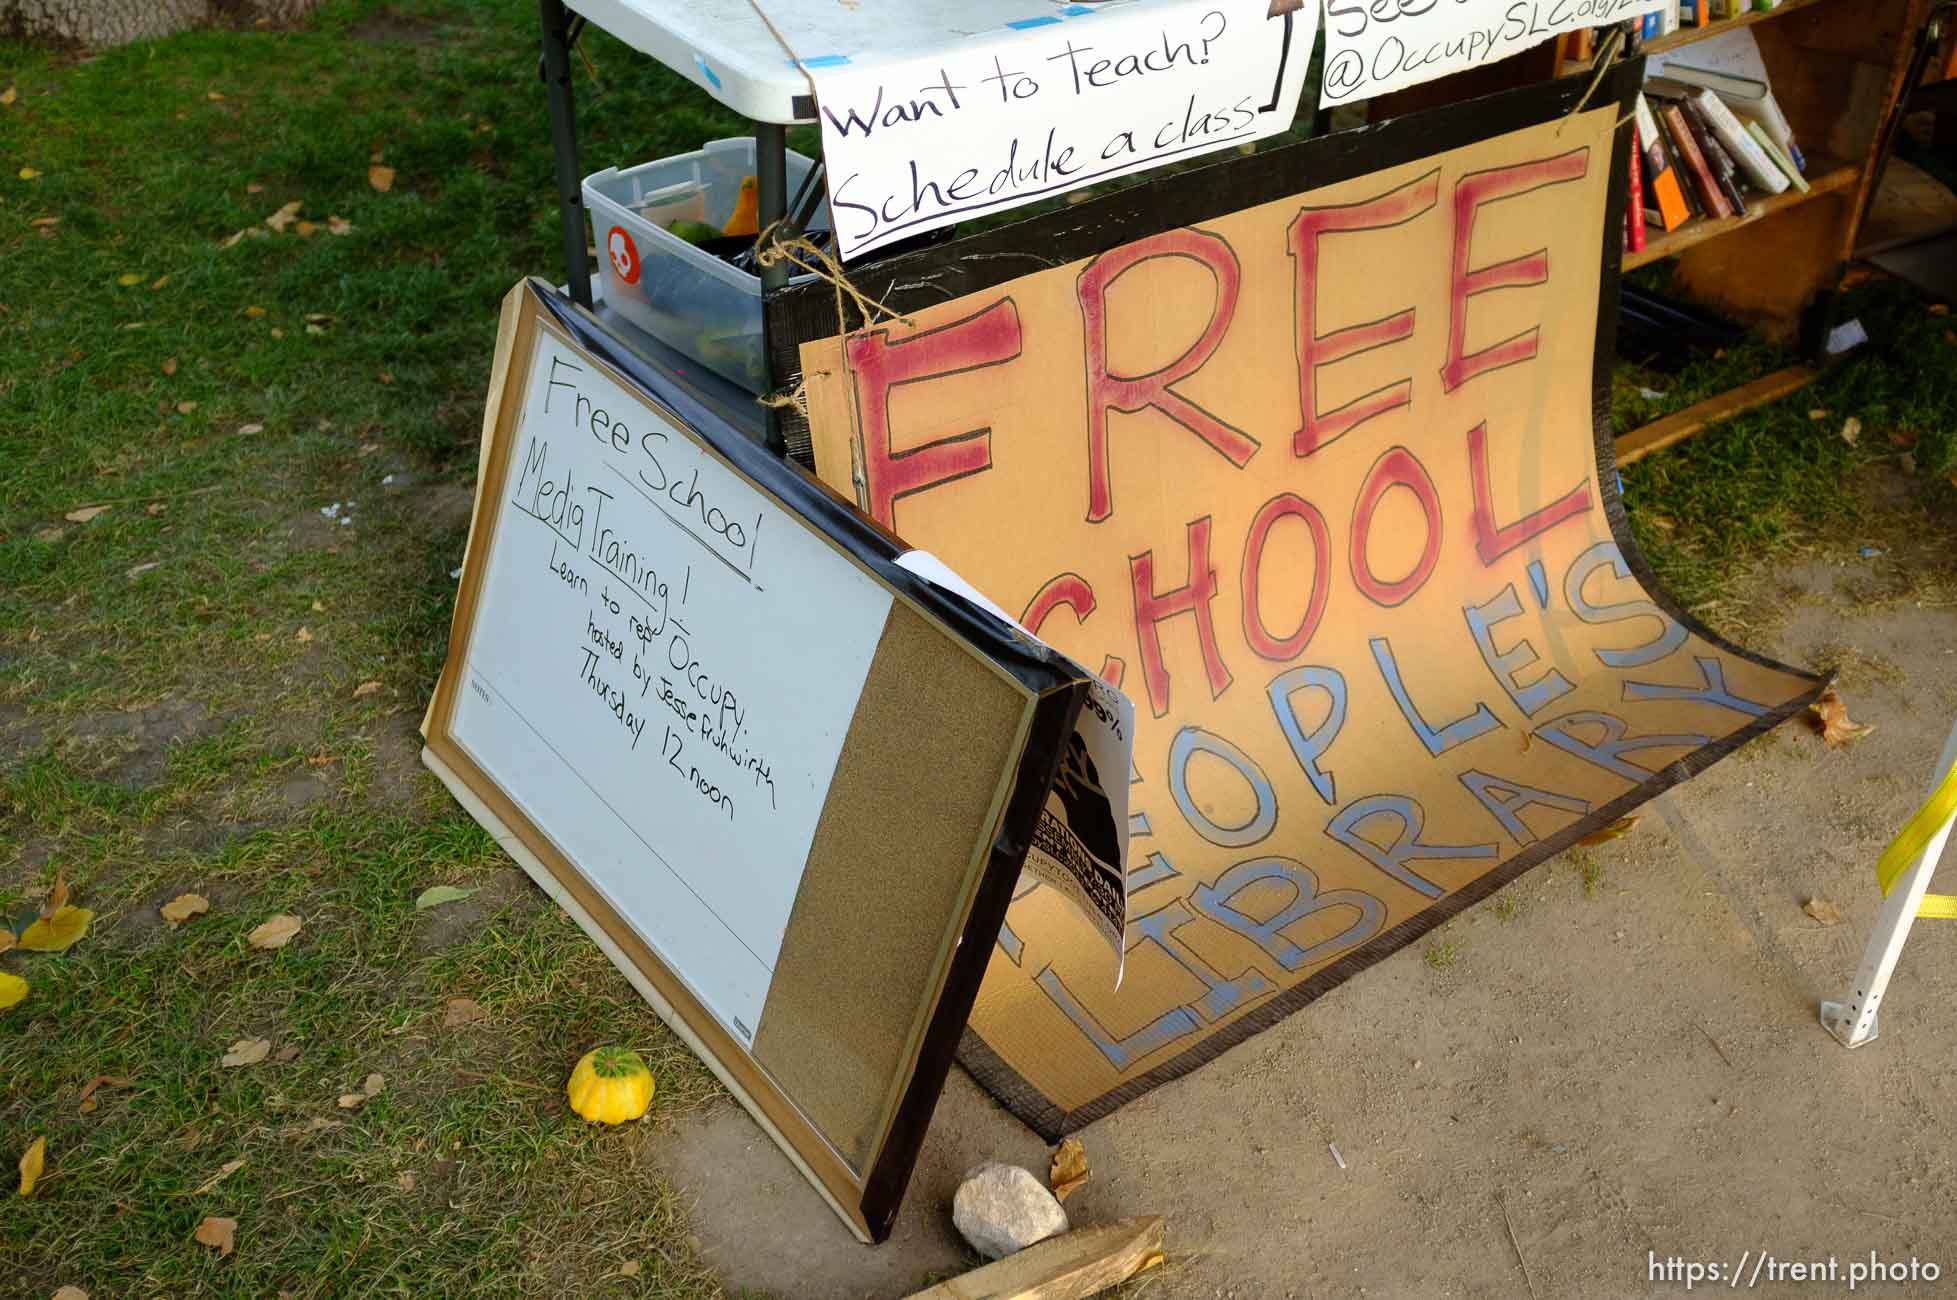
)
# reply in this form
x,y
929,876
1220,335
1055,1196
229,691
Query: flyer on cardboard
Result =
x,y
1080,844
1026,113
1376,46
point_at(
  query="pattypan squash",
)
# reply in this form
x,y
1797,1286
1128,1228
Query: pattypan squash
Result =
x,y
610,1086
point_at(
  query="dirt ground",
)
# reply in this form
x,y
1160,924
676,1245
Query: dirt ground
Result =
x,y
1613,1073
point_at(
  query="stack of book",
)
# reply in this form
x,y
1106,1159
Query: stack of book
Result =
x,y
1710,143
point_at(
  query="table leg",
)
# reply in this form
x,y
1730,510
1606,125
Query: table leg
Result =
x,y
564,143
771,181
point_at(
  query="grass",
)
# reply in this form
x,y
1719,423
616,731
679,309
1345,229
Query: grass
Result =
x,y
1440,954
212,685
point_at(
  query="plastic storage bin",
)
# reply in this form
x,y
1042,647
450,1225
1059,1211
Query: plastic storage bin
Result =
x,y
685,296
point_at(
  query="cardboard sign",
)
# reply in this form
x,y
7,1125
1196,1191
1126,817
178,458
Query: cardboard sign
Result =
x,y
1066,99
1312,474
1374,46
781,781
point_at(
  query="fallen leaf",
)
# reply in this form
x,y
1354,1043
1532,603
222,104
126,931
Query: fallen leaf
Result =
x,y
246,1051
50,535
275,933
1069,1168
155,508
306,228
46,222
7,939
285,216
159,282
215,96
253,187
32,1162
318,608
290,1052
630,1268
170,366
254,312
303,636
462,1011
229,1168
372,1085
365,689
387,376
220,1234
85,513
405,1180
1939,309
183,907
246,430
12,989
226,243
57,933
1818,413
70,1293
138,570
1621,827
352,1100
9,95
1903,437
185,408
277,333
128,278
1828,717
57,894
1851,431
27,173
315,329
338,226
436,895
1823,910
87,1102
381,177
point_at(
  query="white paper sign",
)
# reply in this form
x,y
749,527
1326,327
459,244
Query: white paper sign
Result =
x,y
1374,46
1012,117
665,667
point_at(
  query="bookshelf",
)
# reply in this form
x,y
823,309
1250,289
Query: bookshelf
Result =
x,y
1824,176
1687,35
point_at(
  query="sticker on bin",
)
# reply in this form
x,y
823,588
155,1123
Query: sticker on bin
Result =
x,y
624,254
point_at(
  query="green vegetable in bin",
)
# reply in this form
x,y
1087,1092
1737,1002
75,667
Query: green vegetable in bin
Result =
x,y
693,232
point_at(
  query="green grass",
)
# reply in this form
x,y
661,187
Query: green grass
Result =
x,y
212,686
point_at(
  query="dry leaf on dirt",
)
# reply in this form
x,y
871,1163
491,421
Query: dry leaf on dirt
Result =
x,y
128,278
57,933
89,1089
9,95
7,939
1828,717
405,1180
1621,827
185,408
71,1293
365,689
85,513
1069,1168
1851,431
183,907
381,177
57,894
27,173
12,989
436,895
285,216
352,1100
338,226
275,933
630,1268
158,282
462,1011
219,1234
246,1051
303,636
254,311
1823,910
373,1084
32,1162
290,1052
246,430
230,1167
370,1087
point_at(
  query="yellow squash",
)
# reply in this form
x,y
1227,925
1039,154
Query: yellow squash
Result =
x,y
610,1086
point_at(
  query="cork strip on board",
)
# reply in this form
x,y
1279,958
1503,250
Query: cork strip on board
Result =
x,y
915,789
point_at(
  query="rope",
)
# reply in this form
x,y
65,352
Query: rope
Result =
x,y
797,250
1613,43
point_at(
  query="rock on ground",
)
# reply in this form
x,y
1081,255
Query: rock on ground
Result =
x,y
1003,1208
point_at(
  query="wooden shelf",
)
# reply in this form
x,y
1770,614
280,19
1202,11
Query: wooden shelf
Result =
x,y
1827,176
1706,31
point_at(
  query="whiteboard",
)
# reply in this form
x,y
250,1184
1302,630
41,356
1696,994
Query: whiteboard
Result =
x,y
649,630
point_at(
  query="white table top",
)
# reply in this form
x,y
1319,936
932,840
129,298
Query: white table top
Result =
x,y
725,48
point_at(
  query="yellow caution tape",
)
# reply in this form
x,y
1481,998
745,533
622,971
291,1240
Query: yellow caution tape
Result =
x,y
1910,842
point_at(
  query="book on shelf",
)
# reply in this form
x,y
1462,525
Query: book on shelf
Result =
x,y
1664,201
1718,158
1748,97
1634,203
1771,147
1685,147
1733,137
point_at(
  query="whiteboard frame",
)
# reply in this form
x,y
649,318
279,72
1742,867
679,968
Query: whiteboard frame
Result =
x,y
1051,689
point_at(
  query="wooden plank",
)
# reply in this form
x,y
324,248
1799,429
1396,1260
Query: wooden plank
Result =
x,y
1688,35
1071,1266
1826,180
1683,424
